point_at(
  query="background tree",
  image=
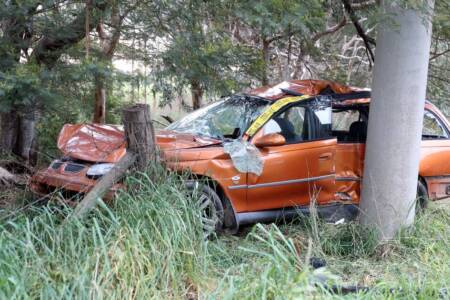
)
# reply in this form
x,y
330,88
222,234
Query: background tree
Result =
x,y
109,32
34,37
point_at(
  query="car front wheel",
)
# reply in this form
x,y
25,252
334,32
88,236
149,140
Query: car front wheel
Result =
x,y
210,206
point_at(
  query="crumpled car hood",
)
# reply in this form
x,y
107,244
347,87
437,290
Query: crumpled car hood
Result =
x,y
106,143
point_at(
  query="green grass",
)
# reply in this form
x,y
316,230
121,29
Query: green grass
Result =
x,y
150,245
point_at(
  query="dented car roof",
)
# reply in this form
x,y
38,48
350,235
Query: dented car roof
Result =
x,y
305,87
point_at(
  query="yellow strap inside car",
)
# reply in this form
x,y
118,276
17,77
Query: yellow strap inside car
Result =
x,y
271,110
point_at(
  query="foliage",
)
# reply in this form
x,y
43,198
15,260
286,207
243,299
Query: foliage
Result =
x,y
196,51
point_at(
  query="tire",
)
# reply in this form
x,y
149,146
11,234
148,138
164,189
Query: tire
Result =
x,y
422,196
211,208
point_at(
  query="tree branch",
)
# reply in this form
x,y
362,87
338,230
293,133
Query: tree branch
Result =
x,y
436,55
48,49
366,39
330,30
363,4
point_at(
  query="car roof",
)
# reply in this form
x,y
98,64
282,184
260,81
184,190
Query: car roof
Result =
x,y
311,87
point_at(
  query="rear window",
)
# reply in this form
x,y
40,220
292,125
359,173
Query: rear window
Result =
x,y
342,120
432,127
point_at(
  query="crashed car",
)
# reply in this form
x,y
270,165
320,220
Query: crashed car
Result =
x,y
261,155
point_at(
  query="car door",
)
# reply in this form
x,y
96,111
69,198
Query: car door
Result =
x,y
301,169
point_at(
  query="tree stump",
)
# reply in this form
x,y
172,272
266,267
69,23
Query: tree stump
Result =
x,y
140,137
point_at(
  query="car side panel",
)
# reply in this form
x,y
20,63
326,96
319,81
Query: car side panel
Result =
x,y
294,174
435,167
349,171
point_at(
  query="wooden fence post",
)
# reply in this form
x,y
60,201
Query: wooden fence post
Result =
x,y
140,137
140,134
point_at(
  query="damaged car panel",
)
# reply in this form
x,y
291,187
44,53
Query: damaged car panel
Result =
x,y
92,142
266,153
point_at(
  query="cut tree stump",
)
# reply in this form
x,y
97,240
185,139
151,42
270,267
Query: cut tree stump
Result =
x,y
140,137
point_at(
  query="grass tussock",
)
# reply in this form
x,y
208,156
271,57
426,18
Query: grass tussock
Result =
x,y
150,245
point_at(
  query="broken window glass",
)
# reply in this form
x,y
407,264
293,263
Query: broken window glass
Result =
x,y
228,118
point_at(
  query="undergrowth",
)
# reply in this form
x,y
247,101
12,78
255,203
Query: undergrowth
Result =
x,y
150,245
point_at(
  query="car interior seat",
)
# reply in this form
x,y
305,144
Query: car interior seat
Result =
x,y
357,132
287,129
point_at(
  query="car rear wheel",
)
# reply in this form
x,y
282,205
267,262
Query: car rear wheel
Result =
x,y
210,206
422,196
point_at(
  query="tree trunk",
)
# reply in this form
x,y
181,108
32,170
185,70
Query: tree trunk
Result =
x,y
108,46
266,61
197,94
26,138
100,100
9,131
395,125
18,133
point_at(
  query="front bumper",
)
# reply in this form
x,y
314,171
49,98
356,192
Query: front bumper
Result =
x,y
48,181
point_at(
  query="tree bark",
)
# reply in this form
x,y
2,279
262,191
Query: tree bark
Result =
x,y
100,100
197,94
266,61
9,131
395,125
140,134
26,138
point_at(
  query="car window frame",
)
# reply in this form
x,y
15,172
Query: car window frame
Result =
x,y
364,112
441,123
284,109
344,110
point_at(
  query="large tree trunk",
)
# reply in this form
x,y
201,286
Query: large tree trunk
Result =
x,y
197,94
395,125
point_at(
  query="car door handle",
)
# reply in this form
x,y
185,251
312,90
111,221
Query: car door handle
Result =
x,y
325,156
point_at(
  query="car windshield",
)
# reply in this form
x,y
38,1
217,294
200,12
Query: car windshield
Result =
x,y
228,118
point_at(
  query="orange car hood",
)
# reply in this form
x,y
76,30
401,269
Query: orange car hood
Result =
x,y
106,143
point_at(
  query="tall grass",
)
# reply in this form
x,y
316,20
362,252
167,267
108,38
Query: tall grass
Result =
x,y
150,245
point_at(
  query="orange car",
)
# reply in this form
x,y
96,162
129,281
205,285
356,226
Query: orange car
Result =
x,y
265,154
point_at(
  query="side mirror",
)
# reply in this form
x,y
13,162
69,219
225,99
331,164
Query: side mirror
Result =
x,y
270,140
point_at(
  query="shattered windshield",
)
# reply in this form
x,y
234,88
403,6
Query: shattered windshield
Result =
x,y
228,118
